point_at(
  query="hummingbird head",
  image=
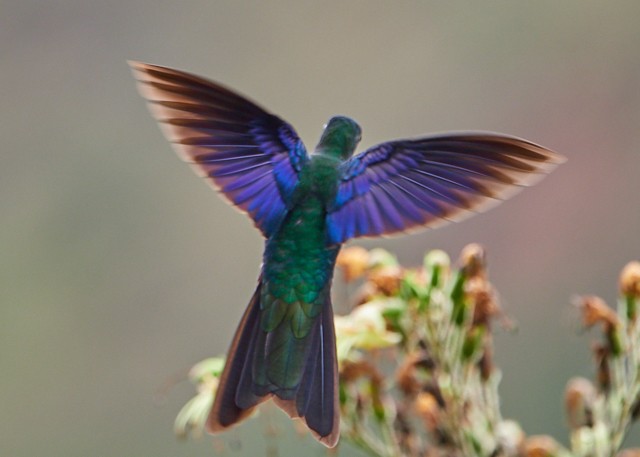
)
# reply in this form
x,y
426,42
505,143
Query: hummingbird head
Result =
x,y
340,137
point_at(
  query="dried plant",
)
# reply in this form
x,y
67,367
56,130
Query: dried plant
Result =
x,y
417,375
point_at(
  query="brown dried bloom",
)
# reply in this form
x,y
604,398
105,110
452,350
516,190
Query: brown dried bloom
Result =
x,y
482,295
595,310
352,371
579,398
630,280
602,354
353,261
387,279
428,409
540,446
473,259
486,363
405,376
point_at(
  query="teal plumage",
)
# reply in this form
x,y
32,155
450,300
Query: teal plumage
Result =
x,y
307,206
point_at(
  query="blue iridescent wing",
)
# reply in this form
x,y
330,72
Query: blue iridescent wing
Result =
x,y
251,156
410,184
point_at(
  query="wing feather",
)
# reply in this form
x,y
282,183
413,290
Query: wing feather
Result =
x,y
251,156
409,184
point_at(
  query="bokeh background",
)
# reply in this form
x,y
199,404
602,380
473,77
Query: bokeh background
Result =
x,y
119,269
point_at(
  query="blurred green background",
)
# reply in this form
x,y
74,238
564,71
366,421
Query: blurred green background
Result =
x,y
119,269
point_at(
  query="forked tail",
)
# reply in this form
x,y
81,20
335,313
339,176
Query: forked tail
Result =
x,y
245,380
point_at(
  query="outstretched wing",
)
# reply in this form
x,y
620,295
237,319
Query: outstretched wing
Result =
x,y
407,184
249,155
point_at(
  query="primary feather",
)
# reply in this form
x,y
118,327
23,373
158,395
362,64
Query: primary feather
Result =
x,y
252,157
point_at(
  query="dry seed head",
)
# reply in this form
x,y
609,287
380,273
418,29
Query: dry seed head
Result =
x,y
602,354
486,362
473,259
630,280
595,310
540,446
426,405
351,371
353,261
579,398
481,293
405,375
410,377
387,279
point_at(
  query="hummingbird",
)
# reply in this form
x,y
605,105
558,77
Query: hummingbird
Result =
x,y
307,205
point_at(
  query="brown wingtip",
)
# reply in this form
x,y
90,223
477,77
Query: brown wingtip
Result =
x,y
137,66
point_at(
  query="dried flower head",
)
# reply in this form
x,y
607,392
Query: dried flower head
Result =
x,y
485,304
579,398
486,365
353,261
602,354
473,259
540,446
387,279
352,371
595,310
405,375
630,280
428,409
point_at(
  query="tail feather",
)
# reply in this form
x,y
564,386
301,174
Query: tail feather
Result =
x,y
305,392
245,382
234,380
316,400
322,413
